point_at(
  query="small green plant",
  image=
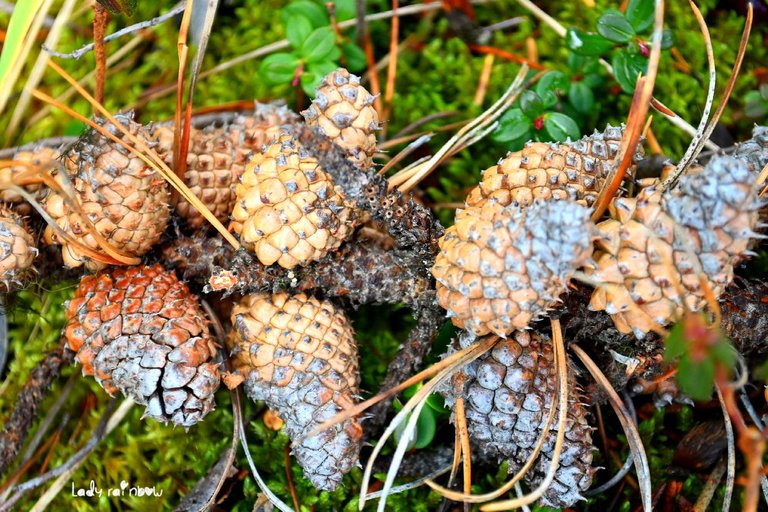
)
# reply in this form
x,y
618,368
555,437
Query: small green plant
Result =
x,y
756,103
543,115
618,39
699,350
426,425
316,47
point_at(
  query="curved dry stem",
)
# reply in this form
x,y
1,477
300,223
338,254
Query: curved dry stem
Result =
x,y
635,119
415,404
483,498
700,136
633,436
116,258
726,95
422,375
468,133
561,361
731,474
139,148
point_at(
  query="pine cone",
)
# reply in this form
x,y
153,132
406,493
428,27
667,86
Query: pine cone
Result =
x,y
288,210
139,330
256,129
17,250
299,355
42,157
754,152
658,245
572,170
501,268
343,109
508,393
123,197
214,165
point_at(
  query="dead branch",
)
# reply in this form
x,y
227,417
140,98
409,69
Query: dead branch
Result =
x,y
29,399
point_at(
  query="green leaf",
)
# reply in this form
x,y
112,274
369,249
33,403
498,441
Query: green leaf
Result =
x,y
615,27
626,67
278,68
581,97
297,29
761,372
345,9
640,14
310,81
724,353
426,426
322,68
755,106
531,104
17,31
316,14
354,57
764,91
667,39
549,86
319,45
696,379
514,126
584,43
560,126
675,344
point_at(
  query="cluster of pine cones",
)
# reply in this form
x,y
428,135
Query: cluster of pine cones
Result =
x,y
505,263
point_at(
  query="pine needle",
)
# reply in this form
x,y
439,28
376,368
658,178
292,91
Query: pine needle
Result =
x,y
140,149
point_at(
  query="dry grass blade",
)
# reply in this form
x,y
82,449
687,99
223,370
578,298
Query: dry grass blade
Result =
x,y
726,95
479,124
711,485
483,498
422,375
237,411
113,256
410,412
636,119
140,149
561,361
630,430
39,68
204,10
389,91
701,135
411,485
178,126
731,475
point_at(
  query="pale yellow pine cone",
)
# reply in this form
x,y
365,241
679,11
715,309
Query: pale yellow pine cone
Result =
x,y
546,170
658,247
343,110
17,250
299,355
124,198
288,210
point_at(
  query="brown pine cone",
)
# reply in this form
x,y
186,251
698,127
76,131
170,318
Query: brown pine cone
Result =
x,y
571,170
655,248
299,355
125,199
139,330
501,268
254,130
43,158
343,110
17,250
288,210
214,165
508,393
